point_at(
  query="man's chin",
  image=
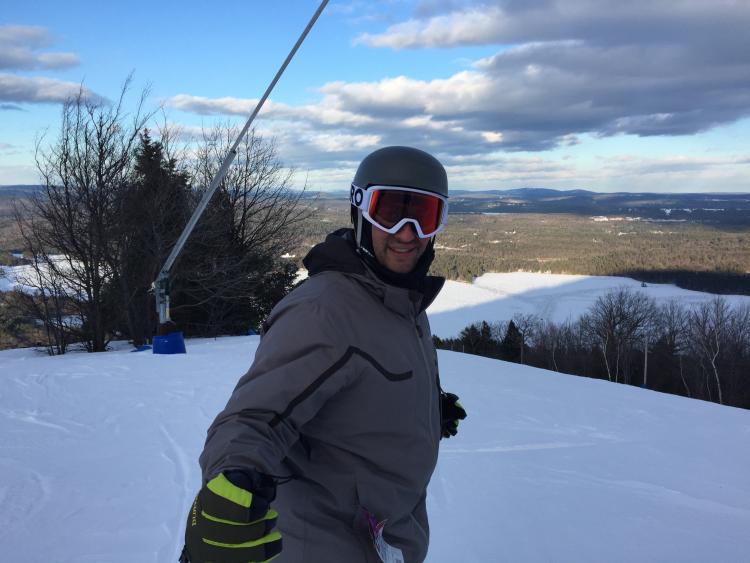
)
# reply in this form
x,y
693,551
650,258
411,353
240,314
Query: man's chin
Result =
x,y
401,265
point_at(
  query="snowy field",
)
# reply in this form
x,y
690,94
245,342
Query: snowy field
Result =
x,y
98,462
25,278
553,297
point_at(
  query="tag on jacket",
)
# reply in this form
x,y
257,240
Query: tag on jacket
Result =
x,y
386,552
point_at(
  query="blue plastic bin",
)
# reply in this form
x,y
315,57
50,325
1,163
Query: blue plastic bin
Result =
x,y
172,343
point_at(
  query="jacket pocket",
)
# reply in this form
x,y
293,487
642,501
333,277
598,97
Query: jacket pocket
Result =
x,y
385,501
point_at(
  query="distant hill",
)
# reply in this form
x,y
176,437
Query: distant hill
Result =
x,y
729,210
19,190
522,192
726,209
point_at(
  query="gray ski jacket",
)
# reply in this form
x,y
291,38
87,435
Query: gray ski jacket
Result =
x,y
343,396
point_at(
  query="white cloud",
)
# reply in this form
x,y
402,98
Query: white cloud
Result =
x,y
321,114
504,22
217,106
57,60
464,91
492,136
38,90
339,143
469,27
19,49
31,35
21,58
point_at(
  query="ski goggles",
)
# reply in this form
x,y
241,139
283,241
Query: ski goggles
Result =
x,y
389,208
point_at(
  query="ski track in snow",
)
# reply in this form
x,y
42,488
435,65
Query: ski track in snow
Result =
x,y
518,448
176,456
28,493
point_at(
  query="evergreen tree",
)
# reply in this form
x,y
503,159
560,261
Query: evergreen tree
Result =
x,y
511,346
154,207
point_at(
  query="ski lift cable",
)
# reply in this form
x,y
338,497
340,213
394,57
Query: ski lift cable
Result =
x,y
161,284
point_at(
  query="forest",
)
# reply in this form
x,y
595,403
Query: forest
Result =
x,y
701,352
114,199
690,254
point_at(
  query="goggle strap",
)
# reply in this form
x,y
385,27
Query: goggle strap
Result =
x,y
360,218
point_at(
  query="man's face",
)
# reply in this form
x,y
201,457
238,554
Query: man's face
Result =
x,y
401,251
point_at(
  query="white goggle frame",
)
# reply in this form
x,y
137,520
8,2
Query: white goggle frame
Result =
x,y
361,197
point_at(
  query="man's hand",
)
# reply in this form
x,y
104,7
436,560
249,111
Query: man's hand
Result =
x,y
231,523
452,412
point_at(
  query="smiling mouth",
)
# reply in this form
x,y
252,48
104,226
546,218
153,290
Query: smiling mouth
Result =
x,y
401,251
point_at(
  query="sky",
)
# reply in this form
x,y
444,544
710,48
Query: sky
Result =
x,y
596,94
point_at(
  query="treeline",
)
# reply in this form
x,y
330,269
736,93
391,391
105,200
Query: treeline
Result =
x,y
466,267
626,337
114,202
690,255
727,283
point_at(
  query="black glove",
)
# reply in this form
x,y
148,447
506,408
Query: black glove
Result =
x,y
231,521
451,412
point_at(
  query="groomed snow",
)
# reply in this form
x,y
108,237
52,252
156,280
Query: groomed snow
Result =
x,y
553,297
98,462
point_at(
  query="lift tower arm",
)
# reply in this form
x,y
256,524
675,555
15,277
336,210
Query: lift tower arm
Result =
x,y
161,284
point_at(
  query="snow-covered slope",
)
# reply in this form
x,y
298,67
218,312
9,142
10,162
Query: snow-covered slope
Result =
x,y
98,462
553,297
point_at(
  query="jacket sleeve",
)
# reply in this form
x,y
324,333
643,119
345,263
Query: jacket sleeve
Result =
x,y
300,363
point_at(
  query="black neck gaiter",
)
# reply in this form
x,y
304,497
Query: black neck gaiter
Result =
x,y
411,280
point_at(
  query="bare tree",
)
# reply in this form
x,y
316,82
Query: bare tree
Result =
x,y
550,338
498,330
74,216
528,326
615,322
737,382
248,226
44,295
671,346
257,189
709,326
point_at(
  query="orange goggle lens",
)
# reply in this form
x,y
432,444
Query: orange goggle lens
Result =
x,y
388,207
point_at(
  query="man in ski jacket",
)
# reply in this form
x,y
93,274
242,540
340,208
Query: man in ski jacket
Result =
x,y
342,407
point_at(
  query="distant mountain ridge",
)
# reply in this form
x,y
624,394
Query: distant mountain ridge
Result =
x,y
526,192
728,209
19,190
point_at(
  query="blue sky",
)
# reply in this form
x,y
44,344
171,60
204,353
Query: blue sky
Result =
x,y
602,95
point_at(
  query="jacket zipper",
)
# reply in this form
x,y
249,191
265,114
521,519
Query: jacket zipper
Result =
x,y
429,368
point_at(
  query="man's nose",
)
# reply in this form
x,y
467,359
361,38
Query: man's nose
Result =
x,y
407,233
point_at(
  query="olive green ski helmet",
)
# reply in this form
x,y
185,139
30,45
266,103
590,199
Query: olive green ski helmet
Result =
x,y
404,167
